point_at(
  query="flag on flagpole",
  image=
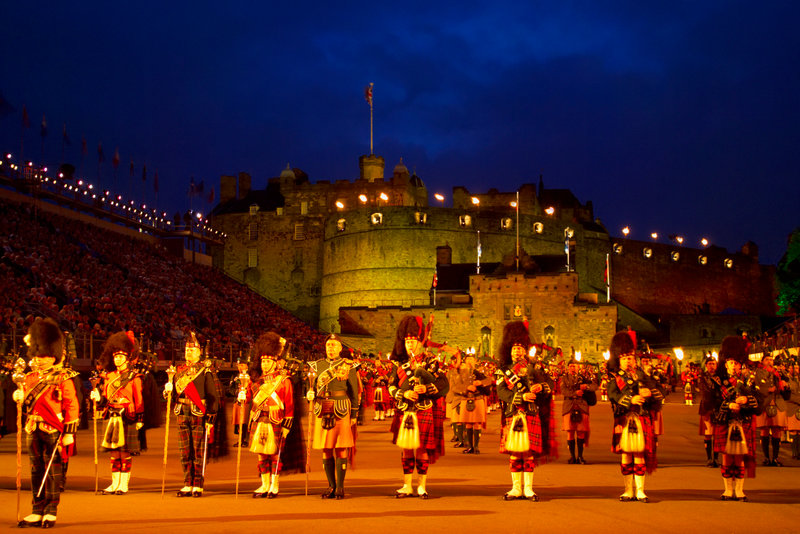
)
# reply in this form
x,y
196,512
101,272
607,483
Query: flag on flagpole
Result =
x,y
115,159
44,126
211,196
100,155
368,94
26,120
192,187
65,137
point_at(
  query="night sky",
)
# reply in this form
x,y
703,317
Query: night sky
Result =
x,y
679,117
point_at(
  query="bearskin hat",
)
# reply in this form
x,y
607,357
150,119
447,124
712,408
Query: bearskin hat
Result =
x,y
119,342
410,326
732,348
514,333
45,339
268,344
622,343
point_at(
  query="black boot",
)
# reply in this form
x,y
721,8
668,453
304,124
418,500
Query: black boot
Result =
x,y
776,450
468,442
765,449
454,439
476,439
795,446
341,469
709,459
571,445
459,429
329,465
580,451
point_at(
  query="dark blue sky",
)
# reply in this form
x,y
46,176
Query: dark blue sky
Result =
x,y
678,117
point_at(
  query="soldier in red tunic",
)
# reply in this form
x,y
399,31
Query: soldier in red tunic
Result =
x,y
272,413
50,403
528,434
123,405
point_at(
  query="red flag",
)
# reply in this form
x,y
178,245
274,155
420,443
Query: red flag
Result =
x,y
44,126
26,120
115,160
211,196
101,157
368,94
155,182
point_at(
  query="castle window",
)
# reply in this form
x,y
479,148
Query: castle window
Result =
x,y
340,225
252,231
464,221
420,218
647,252
299,231
253,209
279,211
702,260
617,249
674,255
538,227
506,223
376,218
304,207
728,263
252,257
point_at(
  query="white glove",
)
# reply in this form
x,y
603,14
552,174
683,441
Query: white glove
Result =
x,y
168,387
68,440
242,396
310,395
95,395
18,395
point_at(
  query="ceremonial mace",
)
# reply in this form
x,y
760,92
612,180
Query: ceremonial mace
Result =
x,y
170,374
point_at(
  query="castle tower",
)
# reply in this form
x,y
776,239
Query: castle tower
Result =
x,y
371,167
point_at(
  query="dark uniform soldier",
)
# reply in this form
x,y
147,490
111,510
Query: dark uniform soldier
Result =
x,y
734,418
708,386
197,404
579,393
418,384
772,421
241,410
528,434
634,397
50,403
334,390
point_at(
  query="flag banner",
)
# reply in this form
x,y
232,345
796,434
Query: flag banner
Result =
x,y
368,94
192,187
115,160
44,126
65,137
101,157
211,196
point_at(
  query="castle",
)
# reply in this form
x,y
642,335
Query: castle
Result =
x,y
355,256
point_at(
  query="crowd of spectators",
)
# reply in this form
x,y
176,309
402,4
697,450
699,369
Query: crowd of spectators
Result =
x,y
96,281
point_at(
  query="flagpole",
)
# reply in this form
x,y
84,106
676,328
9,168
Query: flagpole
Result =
x,y
479,252
608,278
370,119
517,208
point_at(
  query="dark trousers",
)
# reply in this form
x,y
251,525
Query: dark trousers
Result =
x,y
191,431
40,448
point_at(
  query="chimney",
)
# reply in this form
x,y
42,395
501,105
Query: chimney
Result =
x,y
244,184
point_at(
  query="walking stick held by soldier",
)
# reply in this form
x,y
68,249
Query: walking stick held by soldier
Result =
x,y
170,374
94,380
241,397
19,378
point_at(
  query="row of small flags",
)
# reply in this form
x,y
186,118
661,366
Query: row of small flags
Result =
x,y
194,189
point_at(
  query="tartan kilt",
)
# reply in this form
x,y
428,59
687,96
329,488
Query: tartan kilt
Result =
x,y
721,437
130,437
534,434
568,425
431,431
